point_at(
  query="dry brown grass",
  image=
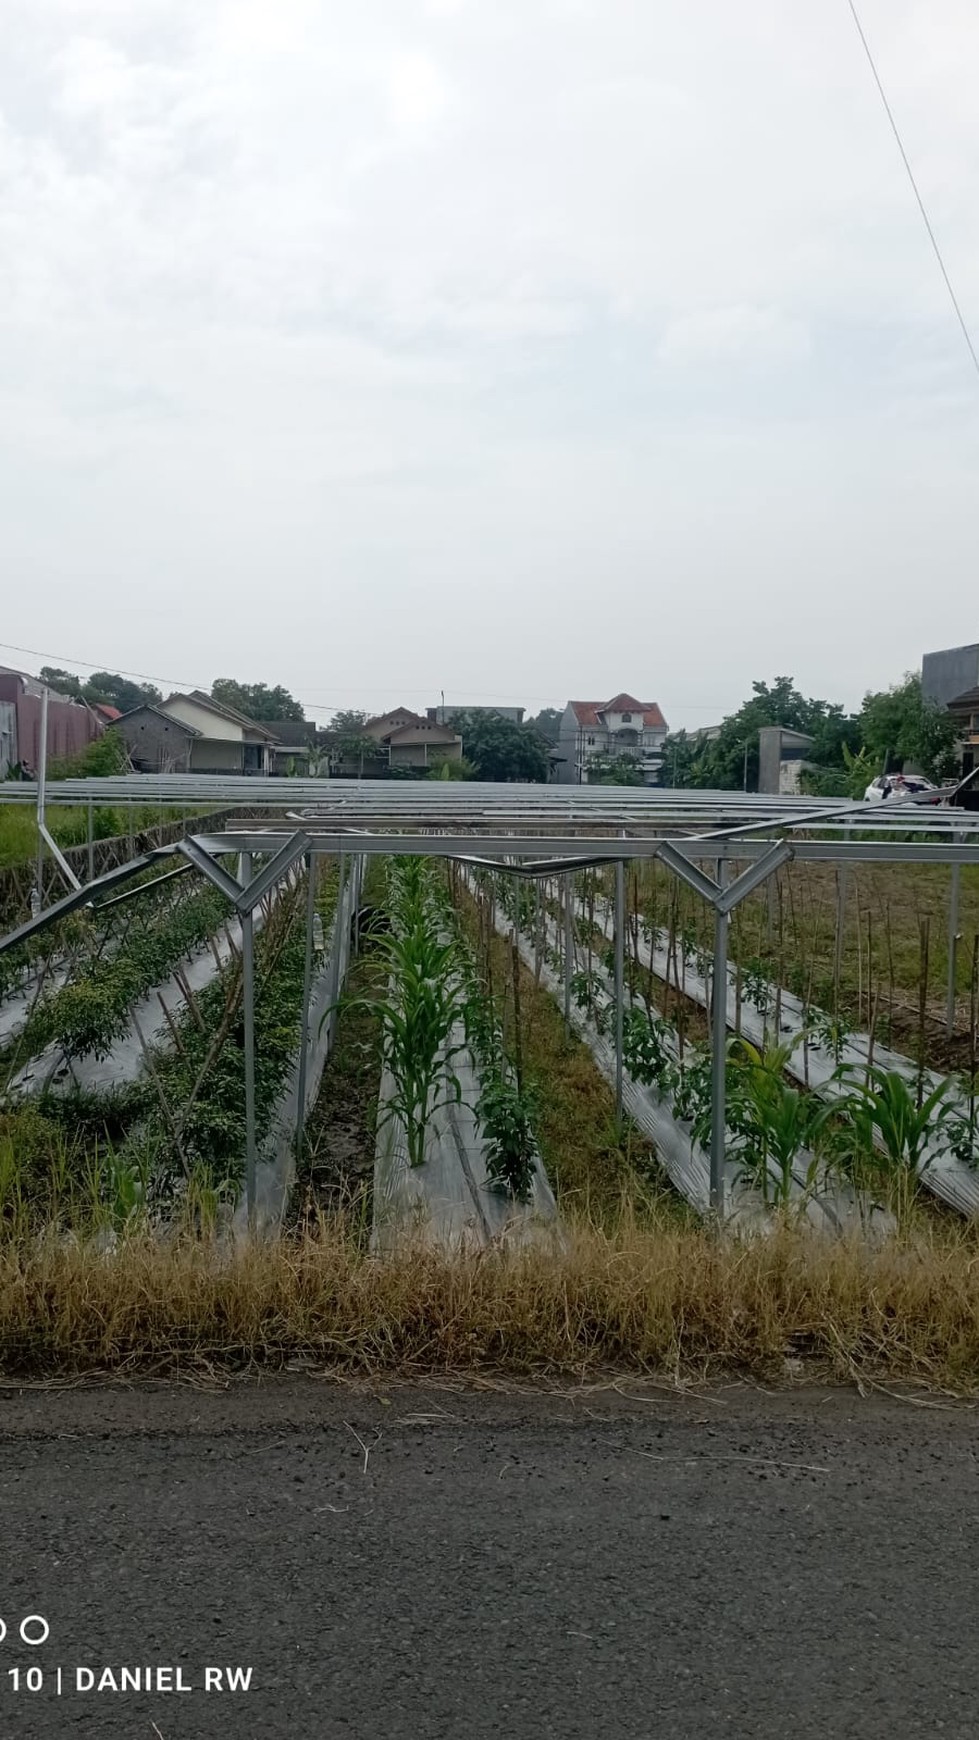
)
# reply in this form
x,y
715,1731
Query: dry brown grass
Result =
x,y
660,1299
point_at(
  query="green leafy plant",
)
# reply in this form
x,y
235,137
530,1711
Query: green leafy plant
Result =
x,y
885,1129
773,1123
756,987
506,1116
829,1032
424,1004
89,1013
646,1051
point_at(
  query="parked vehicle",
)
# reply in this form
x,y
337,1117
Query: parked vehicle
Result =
x,y
898,786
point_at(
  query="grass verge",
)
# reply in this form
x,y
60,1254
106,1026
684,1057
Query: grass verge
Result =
x,y
652,1299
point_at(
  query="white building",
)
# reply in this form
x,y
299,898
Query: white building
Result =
x,y
608,730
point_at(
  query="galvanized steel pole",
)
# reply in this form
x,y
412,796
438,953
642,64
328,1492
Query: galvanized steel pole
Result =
x,y
336,965
718,1096
91,839
42,779
953,942
619,982
304,1016
248,994
568,952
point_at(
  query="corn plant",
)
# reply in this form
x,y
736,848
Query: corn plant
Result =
x,y
888,1131
425,1002
772,1122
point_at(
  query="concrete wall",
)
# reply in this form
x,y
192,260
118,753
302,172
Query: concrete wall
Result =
x,y
71,725
779,751
567,747
157,745
950,672
210,755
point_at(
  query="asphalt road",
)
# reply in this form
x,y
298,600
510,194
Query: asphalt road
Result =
x,y
424,1563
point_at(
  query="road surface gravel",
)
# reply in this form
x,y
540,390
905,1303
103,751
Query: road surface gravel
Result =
x,y
440,1561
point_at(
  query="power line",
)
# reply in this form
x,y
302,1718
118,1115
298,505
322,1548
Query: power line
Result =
x,y
917,193
319,706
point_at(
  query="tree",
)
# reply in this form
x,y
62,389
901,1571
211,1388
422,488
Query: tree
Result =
x,y
65,682
902,724
350,741
113,690
107,687
256,700
501,750
349,722
548,723
728,761
614,770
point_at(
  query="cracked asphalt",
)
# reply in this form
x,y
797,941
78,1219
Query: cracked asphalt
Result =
x,y
439,1561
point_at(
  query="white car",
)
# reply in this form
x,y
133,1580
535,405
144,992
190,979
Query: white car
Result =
x,y
898,786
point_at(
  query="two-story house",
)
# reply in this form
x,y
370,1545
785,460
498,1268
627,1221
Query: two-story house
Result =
x,y
593,731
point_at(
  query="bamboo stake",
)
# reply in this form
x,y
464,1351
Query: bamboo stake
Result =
x,y
175,1132
174,1029
872,1041
189,998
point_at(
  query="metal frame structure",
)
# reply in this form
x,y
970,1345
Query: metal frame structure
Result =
x,y
531,831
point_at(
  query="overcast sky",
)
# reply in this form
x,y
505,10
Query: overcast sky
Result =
x,y
523,349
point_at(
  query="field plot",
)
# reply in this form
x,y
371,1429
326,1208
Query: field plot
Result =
x,y
458,1037
123,1058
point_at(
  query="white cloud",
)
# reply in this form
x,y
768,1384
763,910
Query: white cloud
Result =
x,y
440,302
713,334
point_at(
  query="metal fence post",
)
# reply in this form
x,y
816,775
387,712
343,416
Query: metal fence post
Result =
x,y
568,951
304,1017
42,786
619,982
91,839
248,993
718,1095
341,940
953,942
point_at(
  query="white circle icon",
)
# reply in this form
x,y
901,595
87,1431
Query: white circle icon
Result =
x,y
34,1619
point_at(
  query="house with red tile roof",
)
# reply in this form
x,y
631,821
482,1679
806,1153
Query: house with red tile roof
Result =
x,y
607,730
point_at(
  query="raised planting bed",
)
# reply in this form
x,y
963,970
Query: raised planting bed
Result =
x,y
825,1058
868,940
452,1168
93,1032
667,1092
276,1169
187,1110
